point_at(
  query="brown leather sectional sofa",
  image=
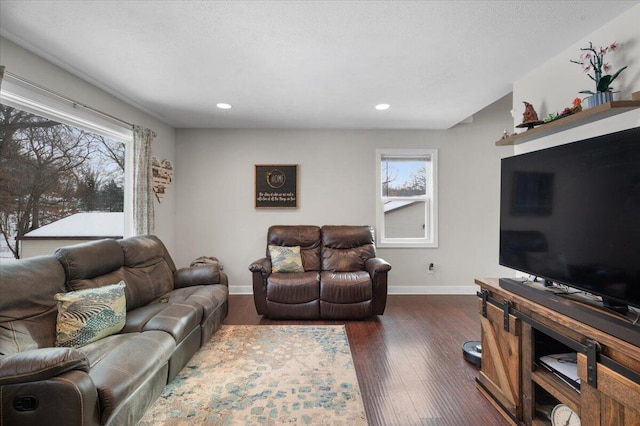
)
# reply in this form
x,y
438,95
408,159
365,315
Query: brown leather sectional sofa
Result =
x,y
170,314
342,277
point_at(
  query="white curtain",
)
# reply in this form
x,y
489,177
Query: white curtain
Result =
x,y
143,213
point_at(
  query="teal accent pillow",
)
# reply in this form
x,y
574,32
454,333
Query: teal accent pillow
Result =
x,y
85,316
285,259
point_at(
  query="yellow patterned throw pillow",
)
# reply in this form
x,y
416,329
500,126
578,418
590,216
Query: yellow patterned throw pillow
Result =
x,y
85,316
285,259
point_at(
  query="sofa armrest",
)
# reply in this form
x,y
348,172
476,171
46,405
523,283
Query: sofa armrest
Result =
x,y
376,265
68,399
262,266
196,275
261,269
377,269
40,364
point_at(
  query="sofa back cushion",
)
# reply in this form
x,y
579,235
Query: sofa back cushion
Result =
x,y
305,236
346,248
28,310
91,264
142,262
148,269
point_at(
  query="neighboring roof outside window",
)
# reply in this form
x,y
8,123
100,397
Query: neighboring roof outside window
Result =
x,y
395,204
82,225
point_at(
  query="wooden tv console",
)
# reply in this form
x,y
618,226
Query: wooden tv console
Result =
x,y
518,328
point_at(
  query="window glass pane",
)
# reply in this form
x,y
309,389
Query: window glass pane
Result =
x,y
405,219
50,171
406,205
403,177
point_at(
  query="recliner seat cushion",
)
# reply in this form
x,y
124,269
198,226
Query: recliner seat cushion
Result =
x,y
344,311
309,310
96,351
119,372
208,297
139,317
177,319
293,287
345,287
179,311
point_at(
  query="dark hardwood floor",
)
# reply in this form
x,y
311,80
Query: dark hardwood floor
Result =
x,y
409,361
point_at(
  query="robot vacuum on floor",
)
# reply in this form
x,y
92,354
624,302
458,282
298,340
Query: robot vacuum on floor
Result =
x,y
472,352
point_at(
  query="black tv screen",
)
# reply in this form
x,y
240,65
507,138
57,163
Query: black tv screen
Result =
x,y
571,214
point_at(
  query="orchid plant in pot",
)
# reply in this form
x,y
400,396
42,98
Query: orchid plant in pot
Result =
x,y
592,60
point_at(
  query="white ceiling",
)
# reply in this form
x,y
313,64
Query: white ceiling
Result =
x,y
304,64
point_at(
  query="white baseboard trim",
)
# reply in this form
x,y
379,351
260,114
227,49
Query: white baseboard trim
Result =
x,y
236,289
396,290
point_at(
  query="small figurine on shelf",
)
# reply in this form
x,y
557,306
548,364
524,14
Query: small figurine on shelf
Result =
x,y
576,107
529,117
529,114
551,117
505,135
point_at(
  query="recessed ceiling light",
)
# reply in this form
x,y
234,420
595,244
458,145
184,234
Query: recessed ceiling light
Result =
x,y
382,107
223,106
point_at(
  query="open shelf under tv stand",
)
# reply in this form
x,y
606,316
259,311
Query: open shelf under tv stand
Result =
x,y
609,367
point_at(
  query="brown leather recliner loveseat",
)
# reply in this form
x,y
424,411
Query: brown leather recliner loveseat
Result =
x,y
170,314
340,276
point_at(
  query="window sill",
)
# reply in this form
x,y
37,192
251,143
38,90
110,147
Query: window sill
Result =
x,y
406,244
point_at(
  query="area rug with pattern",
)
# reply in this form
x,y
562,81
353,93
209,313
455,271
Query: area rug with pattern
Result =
x,y
265,375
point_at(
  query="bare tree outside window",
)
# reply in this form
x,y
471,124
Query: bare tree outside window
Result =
x,y
50,170
404,178
406,203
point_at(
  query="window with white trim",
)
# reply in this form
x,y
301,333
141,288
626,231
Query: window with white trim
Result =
x,y
406,202
58,160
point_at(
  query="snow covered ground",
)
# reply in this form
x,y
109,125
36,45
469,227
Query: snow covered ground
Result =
x,y
4,250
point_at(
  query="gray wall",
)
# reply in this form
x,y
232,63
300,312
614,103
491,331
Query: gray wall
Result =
x,y
554,84
336,185
34,68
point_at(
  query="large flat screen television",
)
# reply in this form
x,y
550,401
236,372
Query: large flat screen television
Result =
x,y
571,215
